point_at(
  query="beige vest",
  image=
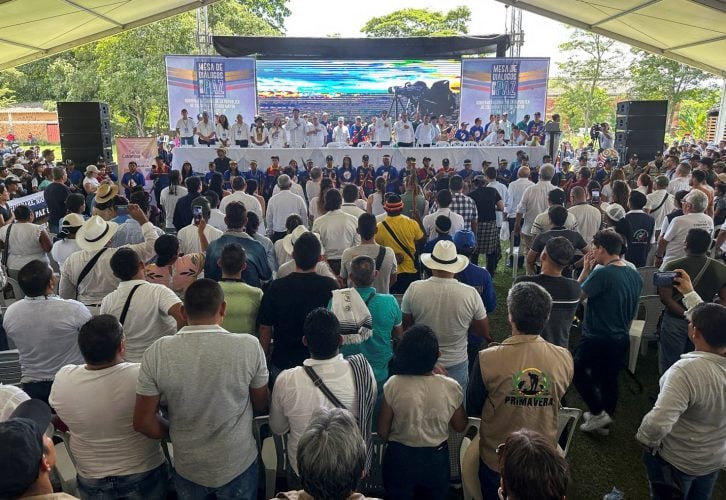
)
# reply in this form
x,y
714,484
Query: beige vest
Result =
x,y
525,378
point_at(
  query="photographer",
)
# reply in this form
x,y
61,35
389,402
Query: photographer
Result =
x,y
605,136
707,276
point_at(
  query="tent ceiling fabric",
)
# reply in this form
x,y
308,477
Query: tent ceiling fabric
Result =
x,y
32,29
690,31
444,47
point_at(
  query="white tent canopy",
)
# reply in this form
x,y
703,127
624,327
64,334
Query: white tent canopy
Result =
x,y
690,31
38,28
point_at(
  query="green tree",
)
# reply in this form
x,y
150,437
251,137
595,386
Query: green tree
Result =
x,y
657,77
274,12
419,22
693,113
593,63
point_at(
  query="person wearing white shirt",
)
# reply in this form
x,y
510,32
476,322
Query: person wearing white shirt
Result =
x,y
24,241
660,203
223,131
492,182
315,134
96,401
205,131
44,329
170,195
681,180
240,132
337,229
190,236
147,311
93,239
494,139
277,134
185,129
341,133
606,137
404,132
443,200
515,192
383,130
239,195
259,136
425,134
672,244
281,206
350,201
295,128
295,396
506,125
534,202
589,218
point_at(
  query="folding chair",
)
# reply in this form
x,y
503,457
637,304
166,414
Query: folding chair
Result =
x,y
10,372
372,484
567,421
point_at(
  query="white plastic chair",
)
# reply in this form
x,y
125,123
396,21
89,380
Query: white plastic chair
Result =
x,y
567,416
646,273
65,464
456,144
338,145
10,372
649,309
471,144
365,144
442,144
17,293
457,441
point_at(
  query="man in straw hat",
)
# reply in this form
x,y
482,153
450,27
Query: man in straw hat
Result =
x,y
87,274
450,308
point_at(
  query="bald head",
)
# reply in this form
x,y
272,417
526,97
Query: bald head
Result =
x,y
683,170
578,194
523,172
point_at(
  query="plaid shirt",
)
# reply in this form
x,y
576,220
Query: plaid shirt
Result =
x,y
462,205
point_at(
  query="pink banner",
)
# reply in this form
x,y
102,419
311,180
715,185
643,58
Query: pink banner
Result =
x,y
141,150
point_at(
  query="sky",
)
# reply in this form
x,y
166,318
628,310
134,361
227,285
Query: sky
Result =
x,y
324,17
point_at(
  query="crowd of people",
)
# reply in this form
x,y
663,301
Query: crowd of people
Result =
x,y
312,131
348,301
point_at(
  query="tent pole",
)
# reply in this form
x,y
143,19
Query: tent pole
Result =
x,y
721,123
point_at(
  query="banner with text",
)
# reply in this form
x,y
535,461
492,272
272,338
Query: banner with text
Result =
x,y
517,86
218,85
141,150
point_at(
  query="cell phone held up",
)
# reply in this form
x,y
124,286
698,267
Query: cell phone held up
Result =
x,y
664,278
595,197
197,213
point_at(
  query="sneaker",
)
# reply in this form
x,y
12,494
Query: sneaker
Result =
x,y
596,422
604,431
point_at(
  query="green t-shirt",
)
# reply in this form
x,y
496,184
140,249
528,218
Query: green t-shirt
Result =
x,y
243,301
613,293
378,349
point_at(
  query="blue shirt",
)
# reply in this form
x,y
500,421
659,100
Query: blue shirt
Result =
x,y
257,271
208,176
257,175
476,133
392,172
429,246
613,293
351,176
481,280
514,168
75,176
378,349
137,177
462,135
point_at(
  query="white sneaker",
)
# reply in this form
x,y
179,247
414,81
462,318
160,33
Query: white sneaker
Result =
x,y
596,422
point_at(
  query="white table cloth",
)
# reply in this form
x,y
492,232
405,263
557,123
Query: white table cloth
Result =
x,y
200,156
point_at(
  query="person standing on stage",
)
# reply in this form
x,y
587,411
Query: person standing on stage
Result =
x,y
404,132
185,129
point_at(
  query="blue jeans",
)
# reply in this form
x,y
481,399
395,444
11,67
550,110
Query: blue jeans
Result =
x,y
674,341
151,485
460,373
243,487
489,482
187,141
666,482
410,472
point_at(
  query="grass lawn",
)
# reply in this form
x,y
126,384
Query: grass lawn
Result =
x,y
600,463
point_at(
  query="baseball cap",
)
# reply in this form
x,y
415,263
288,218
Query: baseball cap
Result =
x,y
445,161
614,211
21,438
464,239
329,157
365,157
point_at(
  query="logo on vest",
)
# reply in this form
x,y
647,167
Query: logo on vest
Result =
x,y
530,387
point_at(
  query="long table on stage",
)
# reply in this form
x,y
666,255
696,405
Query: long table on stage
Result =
x,y
200,156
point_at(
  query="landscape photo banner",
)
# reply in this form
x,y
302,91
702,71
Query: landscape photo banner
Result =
x,y
141,150
218,85
517,86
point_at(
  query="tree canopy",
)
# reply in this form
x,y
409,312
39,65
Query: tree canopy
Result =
x,y
419,22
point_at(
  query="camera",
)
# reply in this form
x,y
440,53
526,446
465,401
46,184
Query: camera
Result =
x,y
595,131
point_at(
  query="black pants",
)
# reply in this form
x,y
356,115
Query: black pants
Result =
x,y
210,142
402,282
410,472
242,144
38,390
405,144
598,361
278,235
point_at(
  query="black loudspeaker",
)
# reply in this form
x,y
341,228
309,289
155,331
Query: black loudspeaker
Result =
x,y
640,129
85,132
639,108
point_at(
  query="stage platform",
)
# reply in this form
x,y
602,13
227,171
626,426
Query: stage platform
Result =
x,y
200,156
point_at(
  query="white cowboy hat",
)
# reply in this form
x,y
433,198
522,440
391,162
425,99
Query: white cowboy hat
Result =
x,y
445,258
288,242
95,233
614,211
